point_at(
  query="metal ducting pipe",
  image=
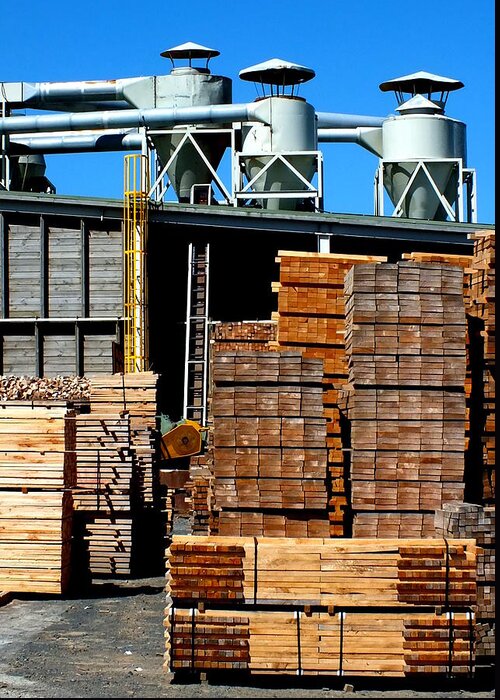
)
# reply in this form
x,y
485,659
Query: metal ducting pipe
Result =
x,y
213,114
367,137
80,143
335,120
39,94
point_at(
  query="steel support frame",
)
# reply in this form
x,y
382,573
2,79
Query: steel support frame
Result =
x,y
242,191
454,210
161,185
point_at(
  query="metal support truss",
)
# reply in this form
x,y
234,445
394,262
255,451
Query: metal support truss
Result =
x,y
161,184
454,209
305,189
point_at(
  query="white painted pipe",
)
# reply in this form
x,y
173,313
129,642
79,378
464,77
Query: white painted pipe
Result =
x,y
367,137
75,121
126,140
335,120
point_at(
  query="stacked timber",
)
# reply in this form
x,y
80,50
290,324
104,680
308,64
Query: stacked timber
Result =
x,y
269,438
482,360
242,335
200,490
37,467
134,394
311,319
320,606
405,402
468,520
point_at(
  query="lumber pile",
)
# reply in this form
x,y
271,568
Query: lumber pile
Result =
x,y
200,494
242,335
37,467
482,363
320,606
405,401
311,319
269,436
475,521
134,394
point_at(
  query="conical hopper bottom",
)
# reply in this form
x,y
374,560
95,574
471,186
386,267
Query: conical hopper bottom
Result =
x,y
421,200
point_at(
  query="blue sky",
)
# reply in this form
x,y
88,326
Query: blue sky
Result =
x,y
353,47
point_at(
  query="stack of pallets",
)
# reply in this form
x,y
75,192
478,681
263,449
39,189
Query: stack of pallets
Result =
x,y
405,400
320,606
269,440
37,467
311,319
466,520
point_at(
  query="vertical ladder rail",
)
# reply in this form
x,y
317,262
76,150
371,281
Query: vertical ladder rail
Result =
x,y
135,218
196,348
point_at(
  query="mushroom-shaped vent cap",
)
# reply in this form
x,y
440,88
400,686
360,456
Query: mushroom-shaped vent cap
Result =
x,y
277,72
190,50
421,82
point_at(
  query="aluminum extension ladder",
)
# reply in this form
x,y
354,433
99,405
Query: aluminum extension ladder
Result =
x,y
196,352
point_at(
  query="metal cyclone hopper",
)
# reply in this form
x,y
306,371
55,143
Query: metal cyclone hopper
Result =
x,y
270,152
423,151
190,87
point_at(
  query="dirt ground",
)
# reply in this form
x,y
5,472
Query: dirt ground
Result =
x,y
108,643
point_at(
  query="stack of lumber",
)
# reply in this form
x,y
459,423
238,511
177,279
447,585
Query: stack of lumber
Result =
x,y
320,606
405,402
109,545
37,467
311,319
469,520
59,388
269,436
242,335
200,490
134,394
482,352
174,489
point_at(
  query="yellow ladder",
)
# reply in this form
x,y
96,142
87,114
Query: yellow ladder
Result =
x,y
135,220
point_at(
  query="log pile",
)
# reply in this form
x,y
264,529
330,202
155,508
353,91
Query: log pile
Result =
x,y
37,467
475,521
405,402
269,437
320,606
59,388
311,319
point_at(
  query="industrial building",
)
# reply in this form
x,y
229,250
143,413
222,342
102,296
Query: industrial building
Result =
x,y
93,287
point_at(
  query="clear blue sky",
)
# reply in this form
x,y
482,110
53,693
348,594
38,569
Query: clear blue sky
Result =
x,y
352,46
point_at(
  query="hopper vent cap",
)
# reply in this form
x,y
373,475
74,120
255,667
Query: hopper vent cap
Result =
x,y
277,73
189,51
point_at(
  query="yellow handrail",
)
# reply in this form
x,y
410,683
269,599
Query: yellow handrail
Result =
x,y
135,220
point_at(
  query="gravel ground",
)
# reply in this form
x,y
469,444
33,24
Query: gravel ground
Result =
x,y
109,644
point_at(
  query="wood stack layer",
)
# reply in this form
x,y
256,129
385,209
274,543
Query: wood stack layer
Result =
x,y
405,339
200,489
109,545
320,606
311,319
37,466
478,522
269,436
242,335
104,463
134,394
482,357
35,541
